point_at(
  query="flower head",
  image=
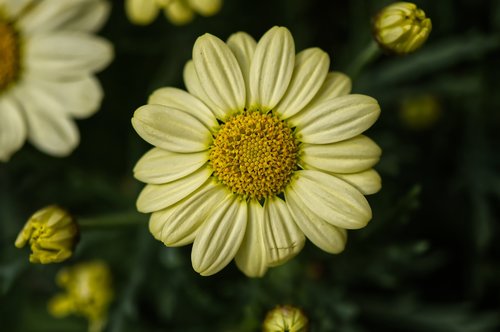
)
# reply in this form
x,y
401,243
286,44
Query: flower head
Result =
x,y
179,12
264,151
401,28
51,233
88,293
285,319
48,56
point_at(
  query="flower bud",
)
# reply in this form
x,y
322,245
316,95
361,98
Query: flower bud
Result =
x,y
401,28
52,234
285,318
420,112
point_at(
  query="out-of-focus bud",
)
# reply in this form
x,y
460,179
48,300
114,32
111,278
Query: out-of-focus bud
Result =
x,y
88,293
420,113
401,28
52,234
285,319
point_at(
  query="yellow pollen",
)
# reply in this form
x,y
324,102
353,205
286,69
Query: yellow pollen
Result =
x,y
254,154
9,54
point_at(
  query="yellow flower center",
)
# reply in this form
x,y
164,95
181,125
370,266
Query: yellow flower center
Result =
x,y
254,154
9,54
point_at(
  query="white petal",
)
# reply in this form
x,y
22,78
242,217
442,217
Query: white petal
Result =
x,y
311,68
178,224
180,99
332,199
194,87
350,156
252,257
219,73
205,7
49,128
282,236
271,68
142,11
367,182
159,166
335,85
171,129
324,235
12,128
155,197
336,119
55,15
243,47
13,8
220,237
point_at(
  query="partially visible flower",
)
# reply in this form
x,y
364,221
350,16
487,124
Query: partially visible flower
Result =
x,y
421,112
285,319
51,233
401,28
88,293
179,12
48,57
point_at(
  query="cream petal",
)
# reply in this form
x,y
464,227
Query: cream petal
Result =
x,y
243,46
62,55
206,7
155,197
252,257
171,129
324,235
332,199
54,15
180,99
49,128
311,68
336,84
178,224
159,166
194,87
336,119
282,236
350,156
219,73
13,8
142,12
271,68
220,237
367,182
12,128
178,12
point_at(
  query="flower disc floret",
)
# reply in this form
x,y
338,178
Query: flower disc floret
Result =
x,y
9,54
254,154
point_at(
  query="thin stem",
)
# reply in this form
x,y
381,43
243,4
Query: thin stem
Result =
x,y
370,53
119,219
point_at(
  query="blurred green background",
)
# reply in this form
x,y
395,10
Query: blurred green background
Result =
x,y
429,259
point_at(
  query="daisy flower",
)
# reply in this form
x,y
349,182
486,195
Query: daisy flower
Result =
x,y
263,151
48,57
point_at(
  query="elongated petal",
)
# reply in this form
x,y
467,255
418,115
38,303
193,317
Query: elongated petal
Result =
x,y
336,84
367,182
159,166
219,73
12,128
171,129
194,87
251,257
323,234
204,7
180,99
311,68
350,156
178,224
155,197
243,46
141,12
332,199
271,68
336,119
220,237
283,238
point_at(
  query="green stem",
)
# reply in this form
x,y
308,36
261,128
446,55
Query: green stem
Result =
x,y
113,220
370,53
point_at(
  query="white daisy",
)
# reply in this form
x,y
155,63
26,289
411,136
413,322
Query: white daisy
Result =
x,y
48,57
264,151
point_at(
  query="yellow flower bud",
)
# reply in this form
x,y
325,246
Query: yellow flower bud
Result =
x,y
52,234
420,113
285,318
88,293
401,28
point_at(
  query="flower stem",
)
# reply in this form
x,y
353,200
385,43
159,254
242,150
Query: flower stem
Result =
x,y
128,218
370,53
